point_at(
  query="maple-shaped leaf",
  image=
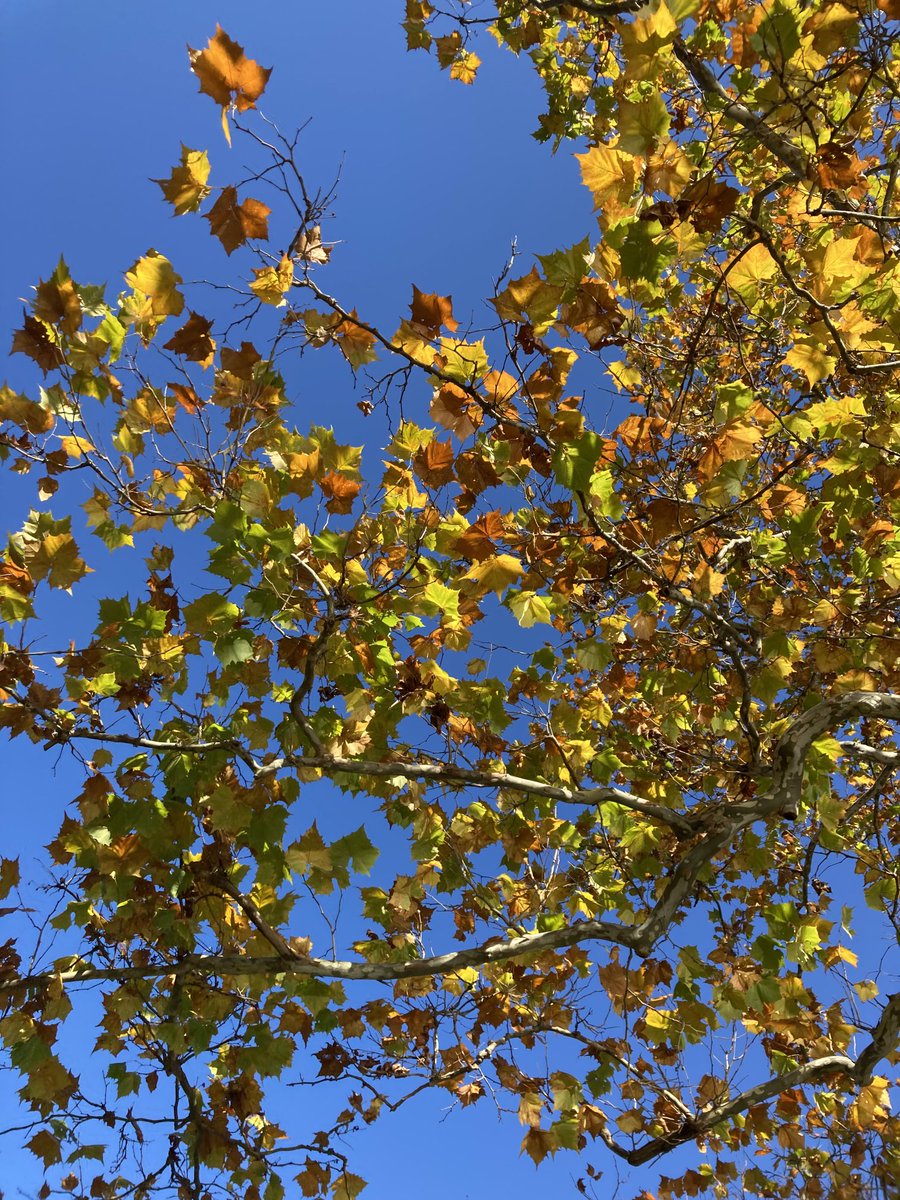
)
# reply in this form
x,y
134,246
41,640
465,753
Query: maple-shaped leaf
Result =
x,y
594,312
192,340
529,299
465,67
309,247
9,876
233,223
838,165
356,343
707,203
668,169
495,574
228,75
431,313
477,543
35,340
538,1143
272,284
751,270
340,490
45,1147
186,189
452,408
609,175
240,362
347,1186
154,277
735,442
57,301
434,463
24,412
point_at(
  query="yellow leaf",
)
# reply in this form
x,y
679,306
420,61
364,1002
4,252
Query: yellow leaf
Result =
x,y
496,573
465,67
752,269
871,1105
273,283
154,277
810,357
609,175
631,1122
668,169
185,189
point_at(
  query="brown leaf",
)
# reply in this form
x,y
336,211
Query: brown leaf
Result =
x,y
58,303
34,340
452,408
308,246
226,74
595,313
240,362
430,312
707,203
477,543
837,165
234,223
434,463
192,340
341,492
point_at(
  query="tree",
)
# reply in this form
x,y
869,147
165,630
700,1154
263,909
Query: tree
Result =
x,y
606,876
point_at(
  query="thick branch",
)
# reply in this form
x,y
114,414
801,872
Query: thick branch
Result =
x,y
438,772
790,754
708,1118
237,966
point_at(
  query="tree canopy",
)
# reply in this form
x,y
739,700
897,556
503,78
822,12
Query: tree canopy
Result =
x,y
613,701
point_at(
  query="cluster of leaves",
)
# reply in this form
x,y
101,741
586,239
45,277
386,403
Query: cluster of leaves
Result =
x,y
569,887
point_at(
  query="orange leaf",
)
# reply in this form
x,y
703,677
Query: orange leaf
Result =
x,y
192,340
430,312
452,408
434,463
341,492
226,74
234,223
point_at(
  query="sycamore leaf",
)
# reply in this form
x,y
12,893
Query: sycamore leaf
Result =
x,y
810,357
271,284
496,573
45,1147
227,75
538,1143
530,609
154,277
465,67
347,1186
24,412
610,175
642,123
186,189
751,270
309,247
430,313
192,340
233,223
355,342
529,299
452,408
9,876
340,490
37,341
